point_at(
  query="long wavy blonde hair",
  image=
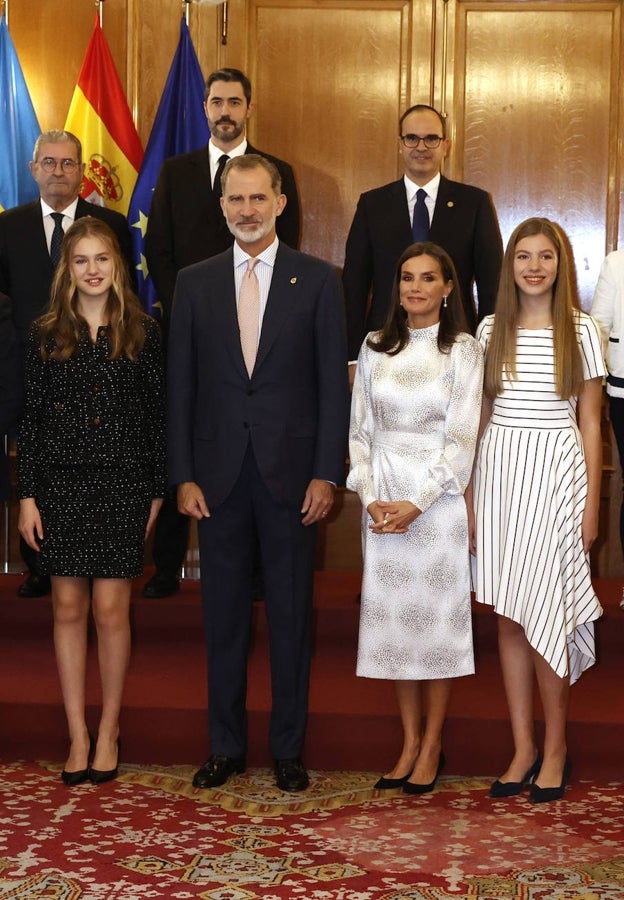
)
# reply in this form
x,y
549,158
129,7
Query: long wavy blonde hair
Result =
x,y
501,354
62,326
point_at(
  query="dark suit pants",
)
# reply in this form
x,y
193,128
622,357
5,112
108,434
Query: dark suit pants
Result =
x,y
616,410
170,538
226,542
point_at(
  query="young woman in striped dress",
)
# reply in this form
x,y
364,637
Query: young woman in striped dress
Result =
x,y
536,494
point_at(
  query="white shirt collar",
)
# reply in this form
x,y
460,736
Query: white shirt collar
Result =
x,y
215,153
431,188
267,256
69,211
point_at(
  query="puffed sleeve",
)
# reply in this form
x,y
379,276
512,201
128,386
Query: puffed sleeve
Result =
x,y
591,349
450,473
152,384
360,478
35,399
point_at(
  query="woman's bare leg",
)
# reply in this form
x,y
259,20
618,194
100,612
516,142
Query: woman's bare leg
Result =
x,y
438,695
410,707
554,692
70,605
111,611
517,664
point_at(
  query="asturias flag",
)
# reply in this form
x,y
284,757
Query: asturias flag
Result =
x,y
100,117
179,127
19,128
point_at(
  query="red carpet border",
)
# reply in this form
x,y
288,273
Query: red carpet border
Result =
x,y
148,835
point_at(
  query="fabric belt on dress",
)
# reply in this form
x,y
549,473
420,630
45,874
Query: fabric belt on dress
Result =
x,y
408,440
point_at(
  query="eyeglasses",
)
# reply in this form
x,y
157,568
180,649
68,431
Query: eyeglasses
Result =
x,y
48,164
411,141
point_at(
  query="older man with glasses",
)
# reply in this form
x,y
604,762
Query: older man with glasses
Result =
x,y
30,243
422,205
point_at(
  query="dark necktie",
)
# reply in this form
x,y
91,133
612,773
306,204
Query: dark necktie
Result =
x,y
216,187
420,222
57,239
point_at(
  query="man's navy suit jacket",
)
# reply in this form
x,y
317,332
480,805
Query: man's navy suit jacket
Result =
x,y
186,223
464,224
26,270
295,407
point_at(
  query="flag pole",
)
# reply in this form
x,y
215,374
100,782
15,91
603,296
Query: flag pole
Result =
x,y
98,4
4,8
186,5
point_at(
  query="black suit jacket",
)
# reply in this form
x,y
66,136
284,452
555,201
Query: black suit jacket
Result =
x,y
10,386
26,270
295,407
186,223
464,224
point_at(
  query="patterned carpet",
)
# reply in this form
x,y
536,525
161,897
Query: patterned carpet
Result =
x,y
149,835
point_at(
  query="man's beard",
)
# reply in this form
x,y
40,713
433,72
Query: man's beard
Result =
x,y
250,236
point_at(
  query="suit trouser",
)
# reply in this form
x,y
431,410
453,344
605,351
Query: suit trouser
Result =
x,y
616,411
170,537
226,542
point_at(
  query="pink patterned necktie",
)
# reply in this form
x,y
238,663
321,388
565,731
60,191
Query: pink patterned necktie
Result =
x,y
249,315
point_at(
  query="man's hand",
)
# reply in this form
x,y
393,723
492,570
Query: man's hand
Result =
x,y
191,501
318,500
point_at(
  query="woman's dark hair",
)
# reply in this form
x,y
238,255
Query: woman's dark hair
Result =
x,y
395,333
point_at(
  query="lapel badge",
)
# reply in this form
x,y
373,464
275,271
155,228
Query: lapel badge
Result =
x,y
293,280
450,204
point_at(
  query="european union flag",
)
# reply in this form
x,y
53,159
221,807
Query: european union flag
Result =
x,y
179,127
19,128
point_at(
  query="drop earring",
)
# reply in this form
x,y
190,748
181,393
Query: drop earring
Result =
x,y
445,304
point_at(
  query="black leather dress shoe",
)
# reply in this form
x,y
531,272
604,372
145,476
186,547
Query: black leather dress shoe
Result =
x,y
502,789
72,779
34,586
548,794
217,770
291,775
412,787
101,776
388,784
160,585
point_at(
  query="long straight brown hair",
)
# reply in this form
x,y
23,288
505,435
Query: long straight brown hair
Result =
x,y
62,323
501,353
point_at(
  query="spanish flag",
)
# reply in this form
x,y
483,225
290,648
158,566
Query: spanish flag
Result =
x,y
99,116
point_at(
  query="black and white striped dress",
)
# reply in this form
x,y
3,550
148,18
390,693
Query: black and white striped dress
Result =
x,y
530,491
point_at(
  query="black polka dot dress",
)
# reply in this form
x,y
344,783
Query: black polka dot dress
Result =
x,y
92,454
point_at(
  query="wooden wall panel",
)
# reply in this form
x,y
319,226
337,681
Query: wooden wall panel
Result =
x,y
51,49
536,108
328,93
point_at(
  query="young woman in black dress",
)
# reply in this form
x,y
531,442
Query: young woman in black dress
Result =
x,y
92,472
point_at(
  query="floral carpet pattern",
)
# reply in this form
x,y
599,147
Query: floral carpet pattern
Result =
x,y
150,835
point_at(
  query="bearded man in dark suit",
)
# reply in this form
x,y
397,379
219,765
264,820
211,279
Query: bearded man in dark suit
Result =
x,y
186,225
26,250
258,418
458,217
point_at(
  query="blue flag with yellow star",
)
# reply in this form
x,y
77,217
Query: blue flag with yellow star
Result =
x,y
179,127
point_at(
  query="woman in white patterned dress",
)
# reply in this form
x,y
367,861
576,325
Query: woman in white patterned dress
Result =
x,y
414,422
537,494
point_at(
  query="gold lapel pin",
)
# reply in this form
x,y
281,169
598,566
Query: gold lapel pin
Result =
x,y
293,280
450,204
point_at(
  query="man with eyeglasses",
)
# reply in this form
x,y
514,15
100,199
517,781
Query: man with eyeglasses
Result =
x,y
27,246
458,217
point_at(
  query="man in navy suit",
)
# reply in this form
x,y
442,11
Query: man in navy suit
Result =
x,y
26,266
460,218
256,445
186,225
